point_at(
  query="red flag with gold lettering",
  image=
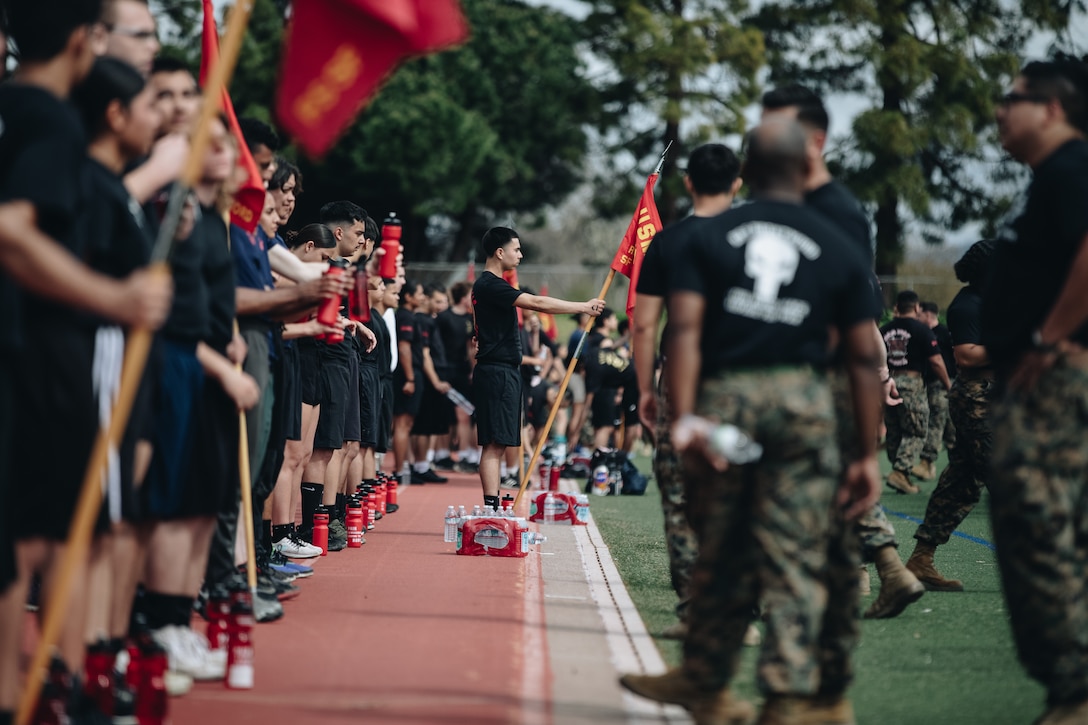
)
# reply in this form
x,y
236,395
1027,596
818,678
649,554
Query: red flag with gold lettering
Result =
x,y
337,53
640,232
248,202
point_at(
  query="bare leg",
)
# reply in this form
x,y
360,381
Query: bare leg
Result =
x,y
353,467
402,429
128,556
334,472
30,556
368,465
71,637
100,588
310,415
490,460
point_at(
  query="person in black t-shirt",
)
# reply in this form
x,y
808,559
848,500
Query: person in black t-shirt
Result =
x,y
455,327
751,309
1035,329
940,429
712,179
496,382
912,349
969,403
42,153
433,418
408,377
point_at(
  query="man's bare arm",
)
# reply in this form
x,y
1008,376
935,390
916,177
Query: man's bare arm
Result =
x,y
686,310
558,307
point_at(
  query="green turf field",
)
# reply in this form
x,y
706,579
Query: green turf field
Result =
x,y
948,659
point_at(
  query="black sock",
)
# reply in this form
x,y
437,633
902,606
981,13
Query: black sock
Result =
x,y
492,501
281,531
341,506
162,610
266,533
7,717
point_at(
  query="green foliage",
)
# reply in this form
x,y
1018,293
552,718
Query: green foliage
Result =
x,y
925,152
682,71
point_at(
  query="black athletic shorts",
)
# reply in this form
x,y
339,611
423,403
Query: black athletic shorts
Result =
x,y
435,413
629,406
536,404
407,404
351,410
497,392
463,385
334,404
55,428
309,366
385,417
605,412
212,483
292,392
370,404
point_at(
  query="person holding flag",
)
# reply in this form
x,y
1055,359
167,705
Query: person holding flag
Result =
x,y
496,383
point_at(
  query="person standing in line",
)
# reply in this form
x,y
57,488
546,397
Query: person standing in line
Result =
x,y
940,428
969,404
496,383
1035,329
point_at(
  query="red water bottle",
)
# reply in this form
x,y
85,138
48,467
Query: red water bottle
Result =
x,y
320,536
372,504
329,312
218,609
391,231
553,478
380,494
390,494
151,698
359,296
99,676
355,525
545,472
52,707
240,642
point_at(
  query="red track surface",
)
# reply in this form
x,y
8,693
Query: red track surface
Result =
x,y
401,631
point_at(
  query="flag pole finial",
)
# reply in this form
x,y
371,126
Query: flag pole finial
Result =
x,y
664,155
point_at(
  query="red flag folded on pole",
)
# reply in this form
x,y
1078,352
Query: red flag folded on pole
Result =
x,y
248,203
547,319
338,52
640,232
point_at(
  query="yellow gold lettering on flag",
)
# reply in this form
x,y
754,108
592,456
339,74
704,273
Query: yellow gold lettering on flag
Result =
x,y
322,94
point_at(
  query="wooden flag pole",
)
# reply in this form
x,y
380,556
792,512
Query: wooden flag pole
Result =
x,y
137,347
543,437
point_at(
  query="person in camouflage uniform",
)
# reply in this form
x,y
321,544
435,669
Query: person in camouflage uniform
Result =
x,y
1035,329
775,529
940,428
961,482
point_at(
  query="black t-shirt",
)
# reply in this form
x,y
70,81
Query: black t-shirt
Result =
x,y
910,344
456,330
42,152
965,317
1035,252
496,318
839,207
218,270
408,331
428,326
380,356
190,313
944,341
775,276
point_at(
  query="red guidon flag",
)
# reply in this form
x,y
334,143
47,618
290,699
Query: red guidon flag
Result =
x,y
248,203
337,53
640,232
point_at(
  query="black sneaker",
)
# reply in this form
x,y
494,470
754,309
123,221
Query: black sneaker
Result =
x,y
338,536
429,476
391,508
466,467
417,478
445,464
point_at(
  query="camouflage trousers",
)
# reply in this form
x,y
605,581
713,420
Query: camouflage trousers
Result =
x,y
873,527
940,428
907,423
1039,505
772,535
680,540
961,482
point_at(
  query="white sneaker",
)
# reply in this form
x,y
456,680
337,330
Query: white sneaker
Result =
x,y
295,548
188,653
510,482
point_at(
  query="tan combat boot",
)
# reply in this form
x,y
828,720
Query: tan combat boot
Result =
x,y
791,710
1076,714
899,481
898,587
713,708
925,470
921,565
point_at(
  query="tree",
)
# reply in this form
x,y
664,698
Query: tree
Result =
x,y
924,151
681,71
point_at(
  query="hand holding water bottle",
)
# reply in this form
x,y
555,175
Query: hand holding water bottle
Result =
x,y
720,444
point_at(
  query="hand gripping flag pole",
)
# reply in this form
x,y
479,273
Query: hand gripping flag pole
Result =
x,y
645,213
136,351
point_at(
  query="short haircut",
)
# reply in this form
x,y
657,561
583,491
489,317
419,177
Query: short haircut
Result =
x,y
906,301
430,288
497,237
169,64
973,266
110,80
109,9
284,171
810,107
606,314
409,288
1066,79
459,290
319,234
343,213
775,154
712,169
372,231
930,307
41,29
258,133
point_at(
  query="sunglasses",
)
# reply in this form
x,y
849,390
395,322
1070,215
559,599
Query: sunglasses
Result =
x,y
1013,97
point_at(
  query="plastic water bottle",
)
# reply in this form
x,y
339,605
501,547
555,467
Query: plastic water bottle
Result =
x,y
734,444
549,508
536,538
477,511
560,450
600,480
451,525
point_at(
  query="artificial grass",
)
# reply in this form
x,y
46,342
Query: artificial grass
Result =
x,y
948,659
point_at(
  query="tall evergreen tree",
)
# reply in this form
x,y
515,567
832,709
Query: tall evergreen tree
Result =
x,y
923,153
